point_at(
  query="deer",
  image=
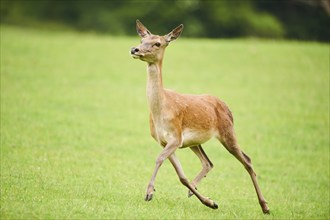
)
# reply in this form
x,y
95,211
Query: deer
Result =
x,y
185,121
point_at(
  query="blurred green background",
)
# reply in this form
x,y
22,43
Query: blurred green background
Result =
x,y
75,140
290,19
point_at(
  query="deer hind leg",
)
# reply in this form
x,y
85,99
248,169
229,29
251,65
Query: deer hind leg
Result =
x,y
230,143
206,166
178,168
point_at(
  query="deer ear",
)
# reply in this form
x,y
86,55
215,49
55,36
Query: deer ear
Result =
x,y
142,30
174,34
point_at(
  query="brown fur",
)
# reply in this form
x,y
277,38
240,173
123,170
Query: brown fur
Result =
x,y
200,113
181,120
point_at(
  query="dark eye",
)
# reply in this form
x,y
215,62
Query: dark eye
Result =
x,y
157,44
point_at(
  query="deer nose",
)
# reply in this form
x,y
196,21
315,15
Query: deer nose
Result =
x,y
134,50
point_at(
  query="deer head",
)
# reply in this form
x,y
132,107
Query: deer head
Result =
x,y
152,47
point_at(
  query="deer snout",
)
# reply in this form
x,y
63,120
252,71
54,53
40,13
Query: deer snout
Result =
x,y
134,50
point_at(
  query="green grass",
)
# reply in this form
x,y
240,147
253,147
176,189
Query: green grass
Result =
x,y
75,139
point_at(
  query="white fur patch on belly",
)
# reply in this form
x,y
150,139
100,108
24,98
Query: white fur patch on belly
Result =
x,y
194,137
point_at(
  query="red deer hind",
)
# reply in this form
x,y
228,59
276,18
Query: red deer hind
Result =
x,y
181,120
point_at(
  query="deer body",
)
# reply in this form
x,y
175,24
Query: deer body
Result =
x,y
191,119
182,120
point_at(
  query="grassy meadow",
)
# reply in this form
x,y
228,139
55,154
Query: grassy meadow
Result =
x,y
75,140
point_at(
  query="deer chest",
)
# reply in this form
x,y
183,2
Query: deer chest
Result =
x,y
164,129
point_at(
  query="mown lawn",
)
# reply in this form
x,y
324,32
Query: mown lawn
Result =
x,y
75,139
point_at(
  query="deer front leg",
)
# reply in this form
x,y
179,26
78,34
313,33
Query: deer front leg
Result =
x,y
167,151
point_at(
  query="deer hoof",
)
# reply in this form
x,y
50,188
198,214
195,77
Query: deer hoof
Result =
x,y
215,205
211,204
149,194
266,210
148,197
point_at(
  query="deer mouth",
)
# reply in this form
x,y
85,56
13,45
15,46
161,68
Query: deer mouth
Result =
x,y
136,56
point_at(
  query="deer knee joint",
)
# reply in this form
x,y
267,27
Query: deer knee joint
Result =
x,y
184,181
207,167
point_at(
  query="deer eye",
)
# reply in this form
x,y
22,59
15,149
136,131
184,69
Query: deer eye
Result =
x,y
157,44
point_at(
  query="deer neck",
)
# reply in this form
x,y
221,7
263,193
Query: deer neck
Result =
x,y
155,90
